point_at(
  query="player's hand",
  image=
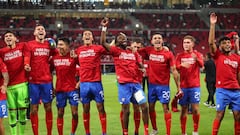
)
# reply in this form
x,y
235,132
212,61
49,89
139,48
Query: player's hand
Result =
x,y
3,89
213,18
27,67
73,54
143,70
104,22
179,94
236,37
194,56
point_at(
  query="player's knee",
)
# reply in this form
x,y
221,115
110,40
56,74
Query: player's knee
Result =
x,y
23,122
13,125
75,116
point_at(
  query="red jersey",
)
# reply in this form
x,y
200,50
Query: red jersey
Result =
x,y
227,68
189,77
65,67
3,69
89,60
159,64
13,58
39,54
126,65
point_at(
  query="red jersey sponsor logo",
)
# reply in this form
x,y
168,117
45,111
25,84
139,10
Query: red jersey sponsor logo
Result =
x,y
12,55
188,60
234,64
87,53
62,62
41,52
127,56
159,58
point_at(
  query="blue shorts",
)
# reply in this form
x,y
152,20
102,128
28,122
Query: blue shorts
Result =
x,y
190,96
3,109
40,91
91,91
62,97
158,92
131,92
226,97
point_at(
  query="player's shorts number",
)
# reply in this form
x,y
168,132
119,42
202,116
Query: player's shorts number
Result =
x,y
166,94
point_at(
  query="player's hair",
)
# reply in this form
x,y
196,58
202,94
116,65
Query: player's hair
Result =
x,y
222,38
65,40
8,31
190,37
137,40
156,33
38,24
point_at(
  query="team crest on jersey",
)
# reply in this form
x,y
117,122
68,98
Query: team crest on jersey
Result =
x,y
234,64
87,53
127,56
12,55
154,57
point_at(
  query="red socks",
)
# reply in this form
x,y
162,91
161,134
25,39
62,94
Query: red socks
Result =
x,y
183,121
74,125
153,116
215,127
196,118
34,121
136,117
125,131
60,126
146,129
168,119
49,122
237,128
103,120
86,117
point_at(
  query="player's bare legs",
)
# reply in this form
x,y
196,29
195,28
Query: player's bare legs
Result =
x,y
236,115
1,127
217,121
183,118
136,118
34,118
167,118
86,117
125,117
195,117
152,115
48,117
60,121
102,116
74,110
145,117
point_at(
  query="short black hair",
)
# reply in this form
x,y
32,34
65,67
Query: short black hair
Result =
x,y
222,39
9,31
65,40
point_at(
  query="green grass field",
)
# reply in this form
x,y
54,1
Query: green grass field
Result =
x,y
113,107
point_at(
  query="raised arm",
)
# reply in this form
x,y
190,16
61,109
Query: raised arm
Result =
x,y
236,41
211,38
103,42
